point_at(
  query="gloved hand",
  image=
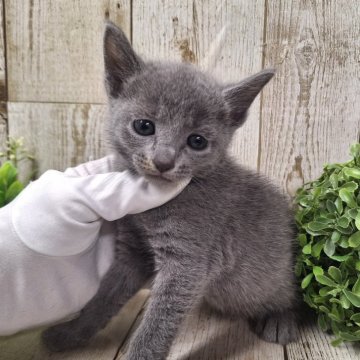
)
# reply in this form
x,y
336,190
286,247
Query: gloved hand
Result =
x,y
54,244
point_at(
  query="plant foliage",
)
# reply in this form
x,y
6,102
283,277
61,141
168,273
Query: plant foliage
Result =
x,y
10,186
328,221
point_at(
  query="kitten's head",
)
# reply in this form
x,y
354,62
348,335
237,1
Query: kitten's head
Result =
x,y
169,120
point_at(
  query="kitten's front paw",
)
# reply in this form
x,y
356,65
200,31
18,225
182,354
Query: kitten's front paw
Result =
x,y
277,328
62,337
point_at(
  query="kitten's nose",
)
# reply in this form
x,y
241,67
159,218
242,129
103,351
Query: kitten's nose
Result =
x,y
164,159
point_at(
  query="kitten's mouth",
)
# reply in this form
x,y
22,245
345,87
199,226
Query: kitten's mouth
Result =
x,y
158,177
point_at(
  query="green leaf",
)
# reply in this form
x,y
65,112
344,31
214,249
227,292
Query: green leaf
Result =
x,y
306,281
356,287
353,298
325,220
348,336
351,186
355,150
309,301
330,206
354,239
335,236
343,221
15,188
349,230
357,265
298,268
344,242
353,213
317,270
334,292
322,322
324,291
345,303
4,172
340,258
347,197
305,201
2,198
315,226
325,280
324,309
335,328
352,172
339,205
336,342
11,174
355,318
334,317
317,247
302,239
335,273
357,221
334,180
329,247
307,249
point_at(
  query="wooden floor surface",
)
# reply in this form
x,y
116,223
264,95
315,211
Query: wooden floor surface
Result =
x,y
203,336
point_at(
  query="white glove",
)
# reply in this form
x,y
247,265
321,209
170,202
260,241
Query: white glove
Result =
x,y
53,251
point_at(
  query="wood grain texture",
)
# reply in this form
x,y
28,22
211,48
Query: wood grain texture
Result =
x,y
55,48
313,344
310,112
186,30
27,345
206,336
3,91
59,135
3,125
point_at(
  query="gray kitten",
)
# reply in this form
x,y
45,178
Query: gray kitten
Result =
x,y
227,239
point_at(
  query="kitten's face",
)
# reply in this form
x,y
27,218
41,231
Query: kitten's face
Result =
x,y
170,121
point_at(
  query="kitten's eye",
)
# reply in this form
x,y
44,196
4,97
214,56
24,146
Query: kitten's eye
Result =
x,y
197,142
144,127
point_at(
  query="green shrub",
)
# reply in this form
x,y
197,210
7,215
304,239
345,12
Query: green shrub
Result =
x,y
328,220
10,186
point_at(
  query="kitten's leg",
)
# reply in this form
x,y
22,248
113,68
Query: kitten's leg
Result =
x,y
278,327
176,289
126,276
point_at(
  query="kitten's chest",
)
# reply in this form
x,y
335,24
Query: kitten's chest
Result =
x,y
169,224
156,224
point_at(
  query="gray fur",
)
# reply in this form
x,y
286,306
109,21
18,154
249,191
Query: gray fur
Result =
x,y
227,239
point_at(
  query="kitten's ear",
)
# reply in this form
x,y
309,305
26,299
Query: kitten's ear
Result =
x,y
240,96
121,61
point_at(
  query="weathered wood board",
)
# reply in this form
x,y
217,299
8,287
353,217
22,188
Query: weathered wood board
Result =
x,y
54,48
3,90
59,135
310,111
313,344
206,336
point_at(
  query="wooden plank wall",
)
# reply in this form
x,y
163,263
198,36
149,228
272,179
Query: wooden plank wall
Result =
x,y
308,115
3,88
